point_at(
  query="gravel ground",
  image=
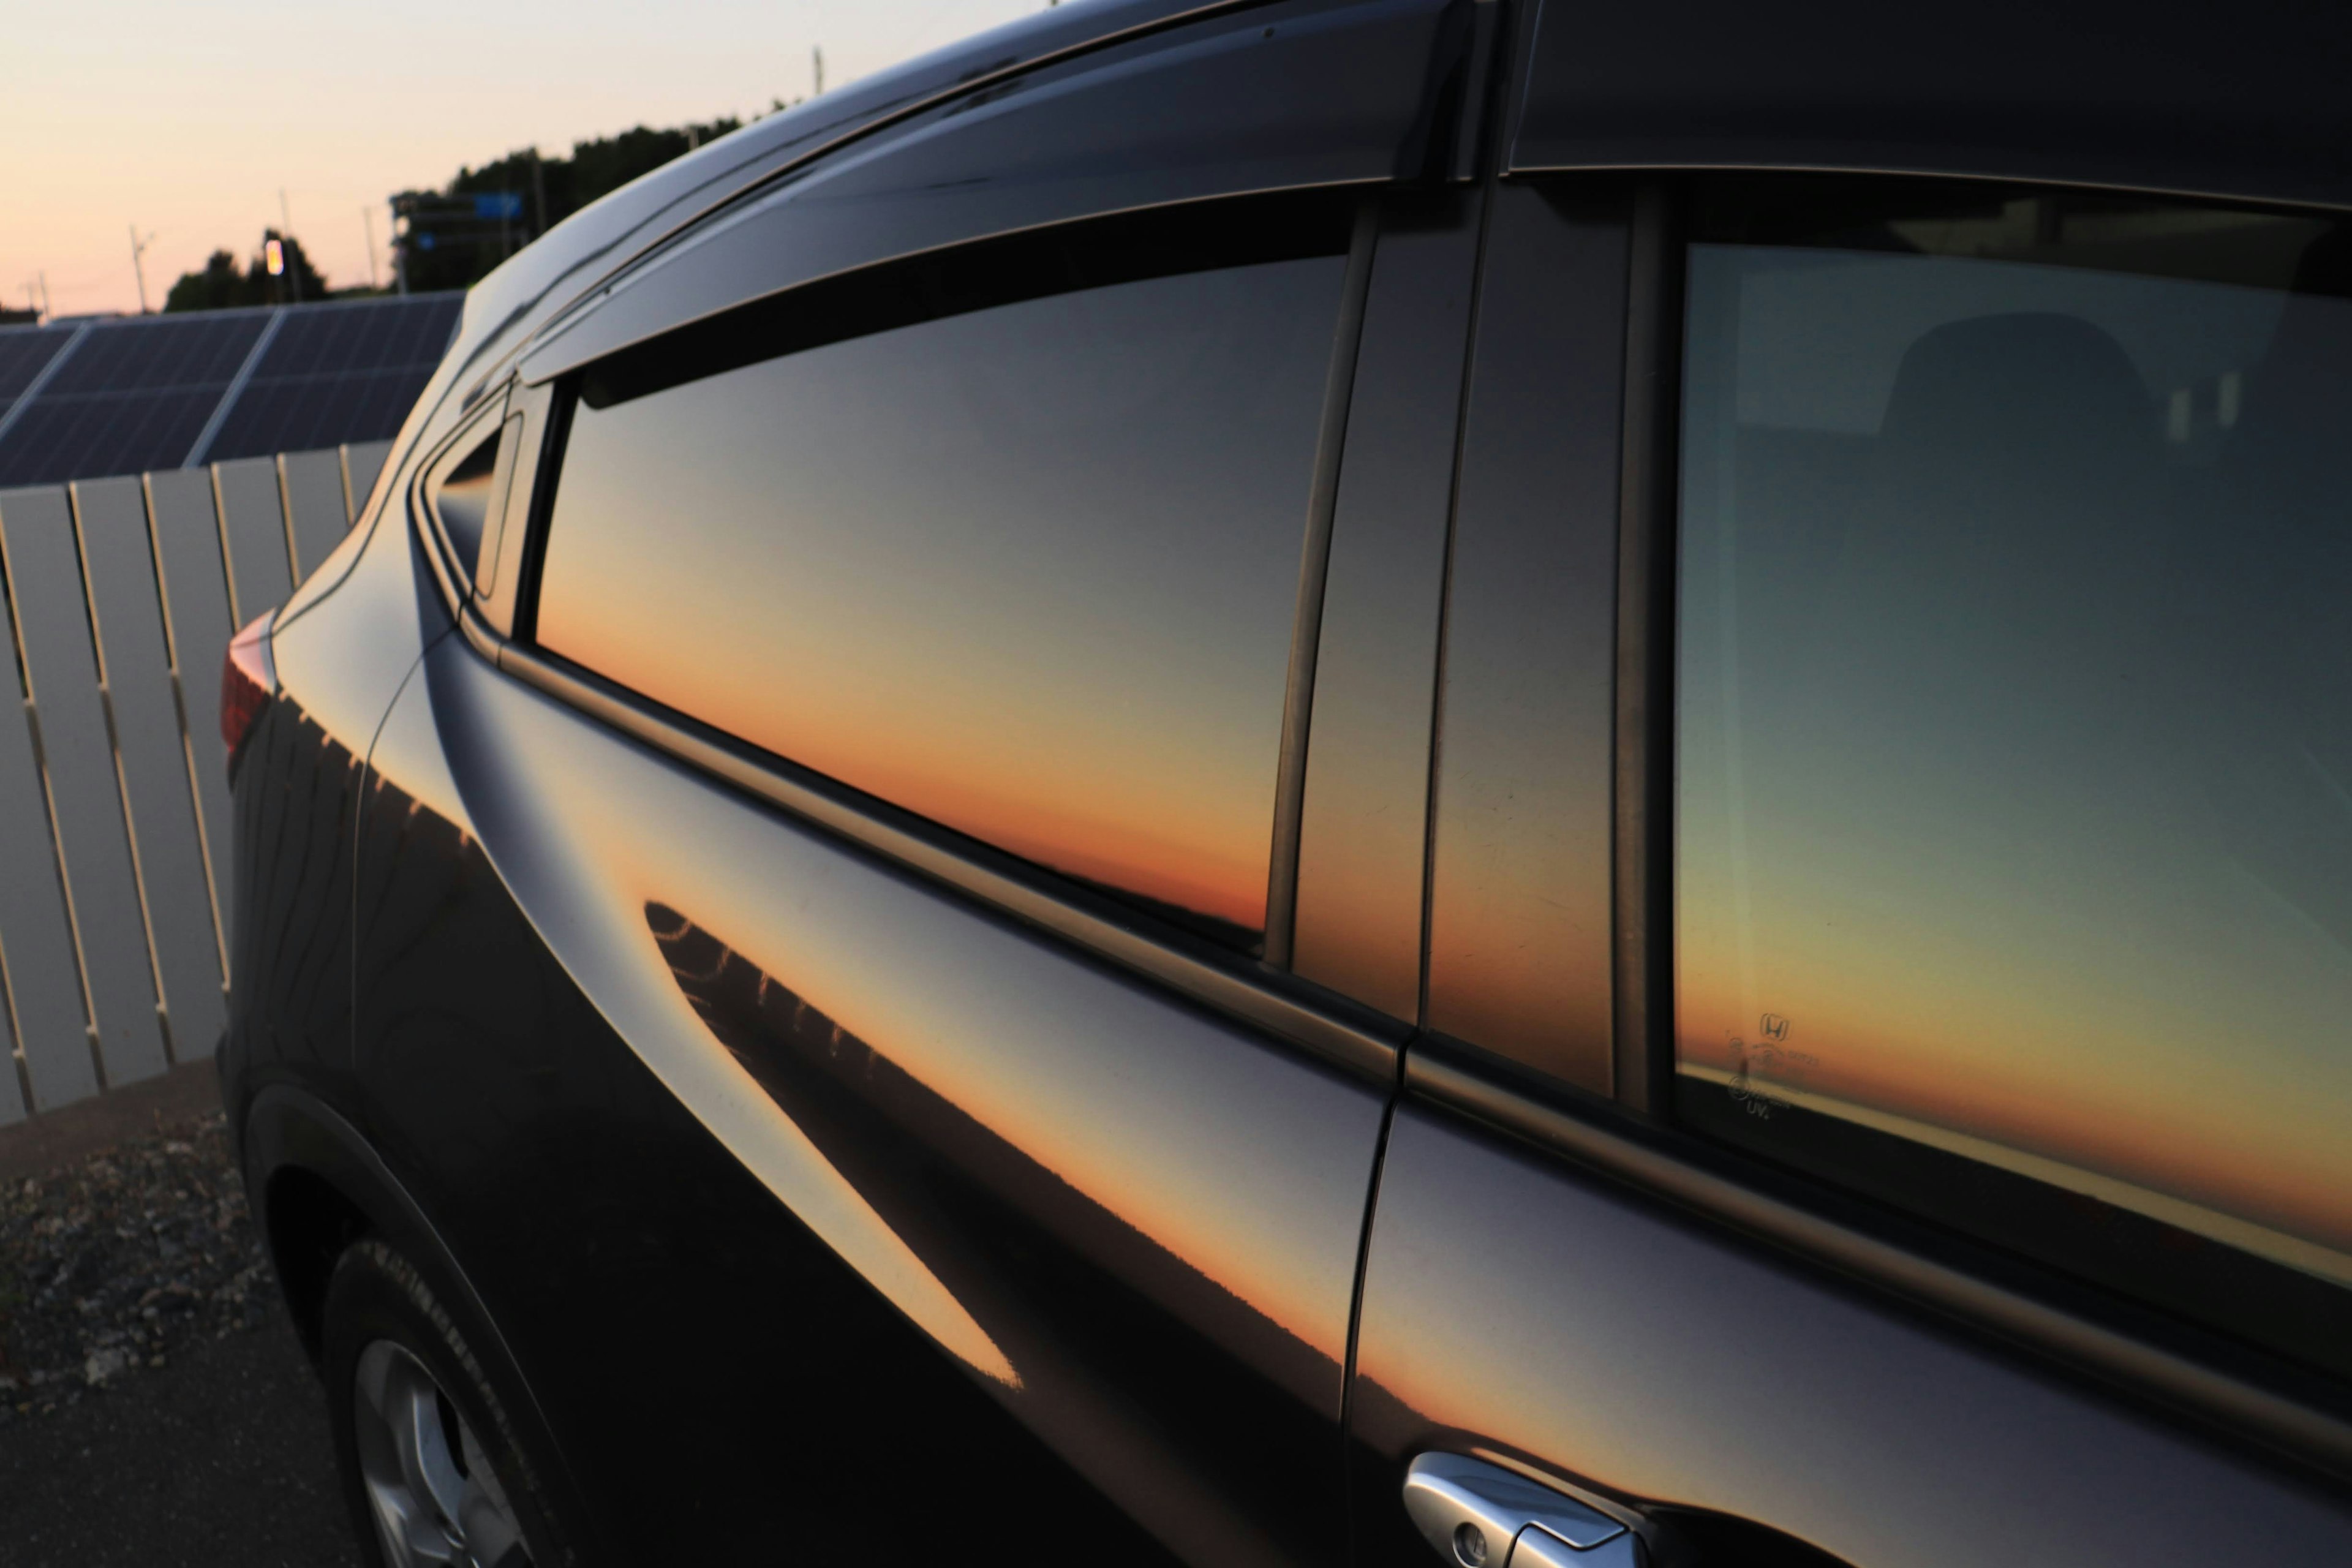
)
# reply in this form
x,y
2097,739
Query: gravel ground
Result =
x,y
118,1262
155,1407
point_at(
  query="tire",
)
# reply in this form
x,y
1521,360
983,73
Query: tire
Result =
x,y
432,1469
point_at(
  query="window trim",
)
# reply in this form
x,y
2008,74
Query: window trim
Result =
x,y
1314,576
1641,886
1263,993
2283,1409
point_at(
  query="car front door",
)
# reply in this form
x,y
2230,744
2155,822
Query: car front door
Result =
x,y
1881,1087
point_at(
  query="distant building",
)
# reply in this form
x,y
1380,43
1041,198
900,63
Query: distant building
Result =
x,y
121,394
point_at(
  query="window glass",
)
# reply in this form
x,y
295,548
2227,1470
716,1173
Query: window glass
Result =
x,y
2015,745
461,492
1027,568
509,441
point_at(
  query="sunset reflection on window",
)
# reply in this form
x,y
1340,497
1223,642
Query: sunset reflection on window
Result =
x,y
2014,828
1027,571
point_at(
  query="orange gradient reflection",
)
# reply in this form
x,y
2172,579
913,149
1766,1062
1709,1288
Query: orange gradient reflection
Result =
x,y
2013,752
1028,572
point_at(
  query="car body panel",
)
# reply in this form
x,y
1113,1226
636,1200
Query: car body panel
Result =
x,y
1516,1305
707,1366
1199,1189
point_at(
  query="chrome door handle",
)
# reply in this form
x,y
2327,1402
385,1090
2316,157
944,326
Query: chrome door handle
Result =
x,y
1479,1515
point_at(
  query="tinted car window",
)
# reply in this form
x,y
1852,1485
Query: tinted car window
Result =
x,y
464,491
2014,743
1027,568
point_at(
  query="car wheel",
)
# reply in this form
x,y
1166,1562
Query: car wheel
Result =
x,y
432,1470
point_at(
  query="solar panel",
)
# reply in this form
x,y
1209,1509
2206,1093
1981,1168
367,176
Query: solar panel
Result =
x,y
22,355
302,414
137,392
339,374
376,336
148,353
78,438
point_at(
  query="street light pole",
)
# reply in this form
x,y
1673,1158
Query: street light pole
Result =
x,y
367,217
286,220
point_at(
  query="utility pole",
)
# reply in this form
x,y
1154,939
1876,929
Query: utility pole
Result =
x,y
537,194
816,57
367,219
285,219
138,247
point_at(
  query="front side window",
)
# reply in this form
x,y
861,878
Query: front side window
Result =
x,y
1011,540
2014,740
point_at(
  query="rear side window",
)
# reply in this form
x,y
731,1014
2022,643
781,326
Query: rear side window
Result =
x,y
1010,539
2014,746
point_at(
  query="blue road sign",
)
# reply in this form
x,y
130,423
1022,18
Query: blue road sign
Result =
x,y
498,204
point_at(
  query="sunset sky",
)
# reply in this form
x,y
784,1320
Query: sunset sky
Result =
x,y
188,121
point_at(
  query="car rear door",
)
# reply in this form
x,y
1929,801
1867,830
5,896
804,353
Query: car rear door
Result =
x,y
901,745
1872,1104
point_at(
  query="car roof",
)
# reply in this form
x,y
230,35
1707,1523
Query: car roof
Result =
x,y
2234,98
505,309
2228,98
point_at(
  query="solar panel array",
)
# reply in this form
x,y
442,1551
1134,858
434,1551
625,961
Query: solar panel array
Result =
x,y
166,392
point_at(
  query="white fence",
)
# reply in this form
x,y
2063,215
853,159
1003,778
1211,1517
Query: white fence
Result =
x,y
121,595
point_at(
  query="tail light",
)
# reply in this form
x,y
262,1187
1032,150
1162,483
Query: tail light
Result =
x,y
248,683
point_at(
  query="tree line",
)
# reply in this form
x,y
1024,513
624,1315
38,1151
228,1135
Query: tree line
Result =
x,y
451,236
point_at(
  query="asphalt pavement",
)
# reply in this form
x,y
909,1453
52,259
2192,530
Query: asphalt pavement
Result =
x,y
217,1459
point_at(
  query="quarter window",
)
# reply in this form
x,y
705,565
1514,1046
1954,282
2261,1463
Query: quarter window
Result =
x,y
466,492
2014,746
1011,539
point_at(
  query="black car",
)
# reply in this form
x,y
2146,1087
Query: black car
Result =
x,y
1322,782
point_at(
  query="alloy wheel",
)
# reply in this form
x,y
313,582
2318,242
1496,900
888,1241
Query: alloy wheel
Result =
x,y
437,1503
